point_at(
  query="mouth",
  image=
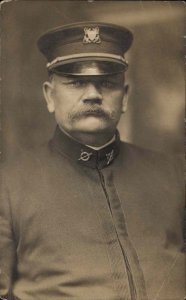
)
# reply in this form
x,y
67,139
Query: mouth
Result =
x,y
95,112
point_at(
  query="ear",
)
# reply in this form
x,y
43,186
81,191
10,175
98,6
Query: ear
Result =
x,y
48,94
125,98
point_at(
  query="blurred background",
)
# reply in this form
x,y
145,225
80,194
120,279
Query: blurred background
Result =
x,y
155,116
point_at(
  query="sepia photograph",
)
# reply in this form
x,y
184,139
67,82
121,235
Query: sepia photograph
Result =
x,y
92,147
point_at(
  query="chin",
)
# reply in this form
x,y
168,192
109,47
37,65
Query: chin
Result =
x,y
93,125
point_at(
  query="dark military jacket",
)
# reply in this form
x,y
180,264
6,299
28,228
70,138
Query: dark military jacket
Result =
x,y
76,223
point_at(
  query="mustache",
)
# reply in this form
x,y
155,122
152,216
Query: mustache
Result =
x,y
91,110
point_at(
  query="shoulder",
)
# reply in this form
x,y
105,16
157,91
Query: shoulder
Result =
x,y
26,162
150,156
153,162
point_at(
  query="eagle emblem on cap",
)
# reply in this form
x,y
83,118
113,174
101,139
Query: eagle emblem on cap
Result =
x,y
91,35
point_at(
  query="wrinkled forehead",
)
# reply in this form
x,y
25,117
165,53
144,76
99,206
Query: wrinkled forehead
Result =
x,y
89,68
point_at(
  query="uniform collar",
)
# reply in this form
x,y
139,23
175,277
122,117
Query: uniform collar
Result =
x,y
83,154
99,148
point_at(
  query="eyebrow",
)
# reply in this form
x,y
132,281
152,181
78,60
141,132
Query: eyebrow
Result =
x,y
90,77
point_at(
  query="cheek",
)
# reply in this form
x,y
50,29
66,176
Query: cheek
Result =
x,y
115,101
61,108
65,99
60,100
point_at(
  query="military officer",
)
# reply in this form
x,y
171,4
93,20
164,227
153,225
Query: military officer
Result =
x,y
88,216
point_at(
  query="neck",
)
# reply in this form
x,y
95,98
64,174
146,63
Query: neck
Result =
x,y
91,139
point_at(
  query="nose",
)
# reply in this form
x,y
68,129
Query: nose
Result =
x,y
92,94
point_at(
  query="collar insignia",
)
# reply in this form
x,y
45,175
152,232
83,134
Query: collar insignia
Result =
x,y
110,157
91,35
85,156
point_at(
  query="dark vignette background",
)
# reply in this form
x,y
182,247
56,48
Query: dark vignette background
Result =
x,y
155,118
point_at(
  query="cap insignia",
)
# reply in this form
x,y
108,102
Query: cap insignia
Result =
x,y
91,35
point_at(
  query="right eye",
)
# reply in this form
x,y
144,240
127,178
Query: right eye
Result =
x,y
76,83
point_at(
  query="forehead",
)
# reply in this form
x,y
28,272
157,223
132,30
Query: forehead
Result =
x,y
89,68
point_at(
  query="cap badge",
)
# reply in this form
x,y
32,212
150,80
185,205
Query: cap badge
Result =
x,y
91,35
84,156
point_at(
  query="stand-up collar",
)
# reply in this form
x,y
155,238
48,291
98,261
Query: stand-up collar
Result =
x,y
83,154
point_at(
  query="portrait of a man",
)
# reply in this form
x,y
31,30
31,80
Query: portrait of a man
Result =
x,y
85,213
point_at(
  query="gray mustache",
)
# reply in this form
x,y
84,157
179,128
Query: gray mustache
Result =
x,y
91,111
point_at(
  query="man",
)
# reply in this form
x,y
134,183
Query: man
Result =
x,y
88,216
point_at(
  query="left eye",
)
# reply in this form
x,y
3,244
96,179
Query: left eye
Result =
x,y
107,84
